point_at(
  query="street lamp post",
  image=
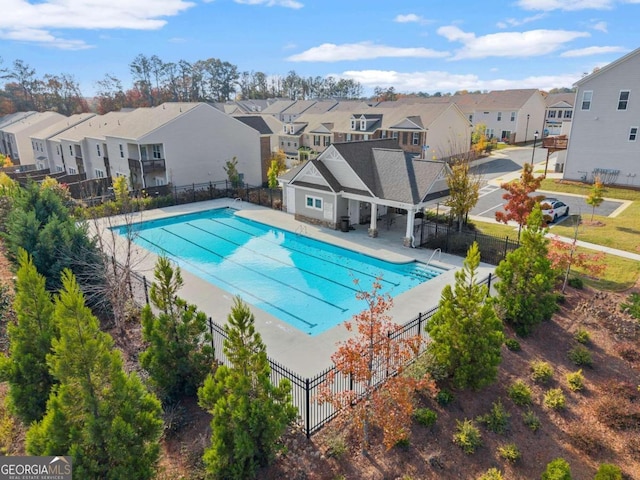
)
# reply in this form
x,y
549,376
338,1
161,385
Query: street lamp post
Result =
x,y
526,129
533,152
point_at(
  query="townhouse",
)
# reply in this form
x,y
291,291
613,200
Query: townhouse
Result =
x,y
16,141
604,139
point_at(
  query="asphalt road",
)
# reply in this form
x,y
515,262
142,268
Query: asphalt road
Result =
x,y
509,161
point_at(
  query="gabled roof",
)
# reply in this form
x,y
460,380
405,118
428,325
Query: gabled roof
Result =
x,y
387,172
32,121
61,126
297,107
13,117
94,127
142,121
321,106
561,99
506,99
278,107
256,122
608,67
323,128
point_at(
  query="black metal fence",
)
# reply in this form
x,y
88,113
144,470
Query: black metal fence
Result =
x,y
493,249
313,415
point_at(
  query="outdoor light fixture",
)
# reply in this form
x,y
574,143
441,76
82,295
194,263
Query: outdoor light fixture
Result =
x,y
533,152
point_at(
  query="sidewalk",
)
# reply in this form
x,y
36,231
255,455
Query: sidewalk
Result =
x,y
591,246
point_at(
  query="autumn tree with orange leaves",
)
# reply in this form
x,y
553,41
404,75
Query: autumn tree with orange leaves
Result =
x,y
519,200
565,255
370,357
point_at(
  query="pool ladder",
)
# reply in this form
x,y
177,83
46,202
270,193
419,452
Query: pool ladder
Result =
x,y
301,229
438,251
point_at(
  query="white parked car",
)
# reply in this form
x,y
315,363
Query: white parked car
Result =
x,y
552,208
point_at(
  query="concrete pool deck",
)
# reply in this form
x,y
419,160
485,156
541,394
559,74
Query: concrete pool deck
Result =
x,y
304,354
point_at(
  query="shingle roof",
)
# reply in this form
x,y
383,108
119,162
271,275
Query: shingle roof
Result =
x,y
556,98
94,127
256,122
278,107
144,120
13,117
359,157
62,125
31,121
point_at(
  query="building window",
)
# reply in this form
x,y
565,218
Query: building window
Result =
x,y
98,149
291,129
586,100
327,141
623,100
99,173
513,116
551,114
157,153
121,150
316,140
499,116
284,129
383,134
59,168
489,133
568,113
58,150
353,124
633,134
313,202
394,135
415,140
71,150
72,171
348,137
471,118
363,124
160,181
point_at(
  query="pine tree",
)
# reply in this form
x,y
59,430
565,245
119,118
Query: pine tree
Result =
x,y
527,278
249,412
178,357
30,340
466,333
101,416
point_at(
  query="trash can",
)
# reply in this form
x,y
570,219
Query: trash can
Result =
x,y
344,224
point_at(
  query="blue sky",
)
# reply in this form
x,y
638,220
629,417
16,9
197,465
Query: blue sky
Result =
x,y
412,45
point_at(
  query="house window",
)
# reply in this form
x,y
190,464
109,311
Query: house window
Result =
x,y
633,134
72,171
313,202
513,116
291,129
160,181
415,140
568,113
284,128
586,100
363,124
33,145
471,118
353,124
121,150
316,140
59,168
395,135
157,154
366,137
489,133
71,150
58,150
551,114
348,137
623,99
499,116
327,141
383,134
99,173
98,149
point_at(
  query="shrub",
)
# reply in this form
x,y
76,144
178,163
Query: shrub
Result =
x,y
425,416
491,474
467,436
557,469
554,399
632,305
541,372
531,420
444,397
497,420
512,344
576,282
575,381
520,393
580,356
403,443
336,446
582,336
608,471
510,452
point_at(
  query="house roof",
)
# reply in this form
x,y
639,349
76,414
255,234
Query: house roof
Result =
x,y
31,121
561,99
278,107
144,120
256,122
608,67
299,106
506,99
61,126
12,118
94,127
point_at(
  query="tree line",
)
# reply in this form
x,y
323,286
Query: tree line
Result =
x,y
155,81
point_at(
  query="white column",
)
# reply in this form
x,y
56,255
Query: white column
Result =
x,y
373,224
408,237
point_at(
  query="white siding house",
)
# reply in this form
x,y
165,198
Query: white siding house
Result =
x,y
16,135
604,139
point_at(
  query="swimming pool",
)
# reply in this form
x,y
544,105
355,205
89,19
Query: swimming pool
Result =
x,y
305,282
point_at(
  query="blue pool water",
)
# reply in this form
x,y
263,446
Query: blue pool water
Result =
x,y
307,283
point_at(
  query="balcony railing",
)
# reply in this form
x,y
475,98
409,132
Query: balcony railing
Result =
x,y
153,165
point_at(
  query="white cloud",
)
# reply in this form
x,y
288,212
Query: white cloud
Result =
x,y
32,22
586,52
440,81
411,18
514,22
601,26
272,3
330,52
520,44
568,5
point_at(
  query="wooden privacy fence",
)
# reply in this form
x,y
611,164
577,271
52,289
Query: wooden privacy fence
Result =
x,y
312,415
